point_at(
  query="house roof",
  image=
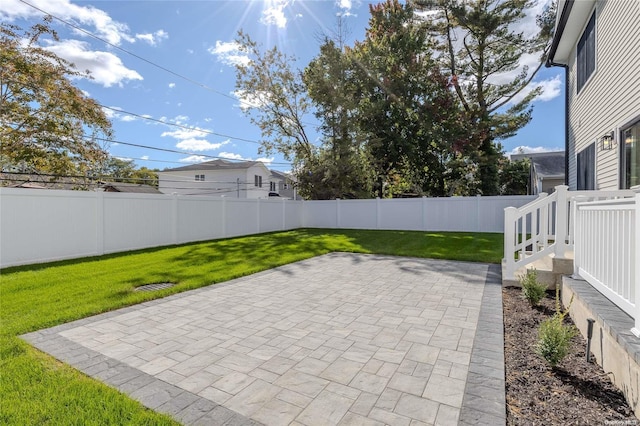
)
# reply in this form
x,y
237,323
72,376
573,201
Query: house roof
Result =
x,y
283,176
216,165
549,166
570,21
131,187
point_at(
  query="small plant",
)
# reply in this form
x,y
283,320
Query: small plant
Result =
x,y
532,290
554,336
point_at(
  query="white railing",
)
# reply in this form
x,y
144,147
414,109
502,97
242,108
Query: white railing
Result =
x,y
607,250
546,226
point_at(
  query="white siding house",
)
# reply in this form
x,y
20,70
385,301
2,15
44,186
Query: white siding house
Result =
x,y
598,42
246,179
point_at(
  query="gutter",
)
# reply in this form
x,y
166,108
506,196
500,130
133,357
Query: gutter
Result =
x,y
564,18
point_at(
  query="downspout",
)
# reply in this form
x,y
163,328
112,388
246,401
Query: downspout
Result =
x,y
564,17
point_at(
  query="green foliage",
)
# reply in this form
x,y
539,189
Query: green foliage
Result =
x,y
554,338
44,117
490,49
532,290
514,176
117,170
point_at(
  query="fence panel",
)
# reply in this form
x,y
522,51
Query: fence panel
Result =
x,y
241,217
135,221
319,214
199,219
270,215
356,214
41,225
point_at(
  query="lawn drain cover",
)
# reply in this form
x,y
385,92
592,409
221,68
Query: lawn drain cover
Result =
x,y
154,287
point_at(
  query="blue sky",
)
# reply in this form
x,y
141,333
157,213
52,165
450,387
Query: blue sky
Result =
x,y
180,69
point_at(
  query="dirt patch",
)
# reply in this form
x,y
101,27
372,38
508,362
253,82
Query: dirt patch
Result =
x,y
575,392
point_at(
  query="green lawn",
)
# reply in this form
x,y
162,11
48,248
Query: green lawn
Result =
x,y
36,389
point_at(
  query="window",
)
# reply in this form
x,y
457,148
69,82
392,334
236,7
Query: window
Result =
x,y
272,186
199,178
630,170
257,181
586,162
587,53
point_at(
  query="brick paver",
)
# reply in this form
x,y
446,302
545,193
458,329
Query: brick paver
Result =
x,y
337,339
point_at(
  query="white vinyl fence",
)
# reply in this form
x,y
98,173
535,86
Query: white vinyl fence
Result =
x,y
45,225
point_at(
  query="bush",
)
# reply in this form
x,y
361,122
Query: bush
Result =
x,y
532,290
554,338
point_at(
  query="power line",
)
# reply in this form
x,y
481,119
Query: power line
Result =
x,y
169,123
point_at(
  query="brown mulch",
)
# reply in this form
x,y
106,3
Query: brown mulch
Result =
x,y
575,392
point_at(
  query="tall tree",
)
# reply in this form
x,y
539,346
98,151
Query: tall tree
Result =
x,y
478,47
274,97
47,125
342,169
405,105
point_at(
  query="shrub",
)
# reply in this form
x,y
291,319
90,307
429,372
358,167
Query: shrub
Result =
x,y
553,339
532,290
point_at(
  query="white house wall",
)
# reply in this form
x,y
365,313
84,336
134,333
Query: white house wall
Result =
x,y
611,96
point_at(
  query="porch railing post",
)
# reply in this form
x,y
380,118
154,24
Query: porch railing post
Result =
x,y
562,220
635,263
509,241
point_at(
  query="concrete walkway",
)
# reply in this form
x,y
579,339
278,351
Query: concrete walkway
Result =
x,y
338,339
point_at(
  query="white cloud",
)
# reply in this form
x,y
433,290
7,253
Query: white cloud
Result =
x,y
144,157
102,24
273,13
233,156
128,118
172,85
550,90
344,4
193,159
183,134
229,53
105,67
524,149
153,38
199,145
251,100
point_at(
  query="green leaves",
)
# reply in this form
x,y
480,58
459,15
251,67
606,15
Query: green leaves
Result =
x,y
45,119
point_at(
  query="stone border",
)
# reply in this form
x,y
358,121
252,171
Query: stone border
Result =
x,y
484,401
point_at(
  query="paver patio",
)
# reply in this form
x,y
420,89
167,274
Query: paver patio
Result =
x,y
338,339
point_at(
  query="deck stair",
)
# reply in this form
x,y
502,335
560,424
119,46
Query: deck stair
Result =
x,y
550,270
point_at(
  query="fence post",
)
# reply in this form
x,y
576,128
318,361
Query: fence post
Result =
x,y
258,215
635,263
337,212
224,217
174,214
100,223
378,218
478,197
509,241
284,214
424,213
562,221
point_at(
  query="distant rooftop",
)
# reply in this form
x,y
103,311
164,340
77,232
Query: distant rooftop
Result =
x,y
216,165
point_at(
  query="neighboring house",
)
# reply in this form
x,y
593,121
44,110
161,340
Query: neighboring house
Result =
x,y
546,170
285,185
598,43
129,187
221,178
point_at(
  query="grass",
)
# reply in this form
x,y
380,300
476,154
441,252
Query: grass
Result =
x,y
36,389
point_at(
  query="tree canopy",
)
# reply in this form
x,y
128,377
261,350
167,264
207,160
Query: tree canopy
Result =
x,y
416,108
47,125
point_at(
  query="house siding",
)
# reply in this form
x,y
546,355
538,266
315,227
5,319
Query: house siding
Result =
x,y
611,96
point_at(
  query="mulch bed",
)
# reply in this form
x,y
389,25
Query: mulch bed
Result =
x,y
575,392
